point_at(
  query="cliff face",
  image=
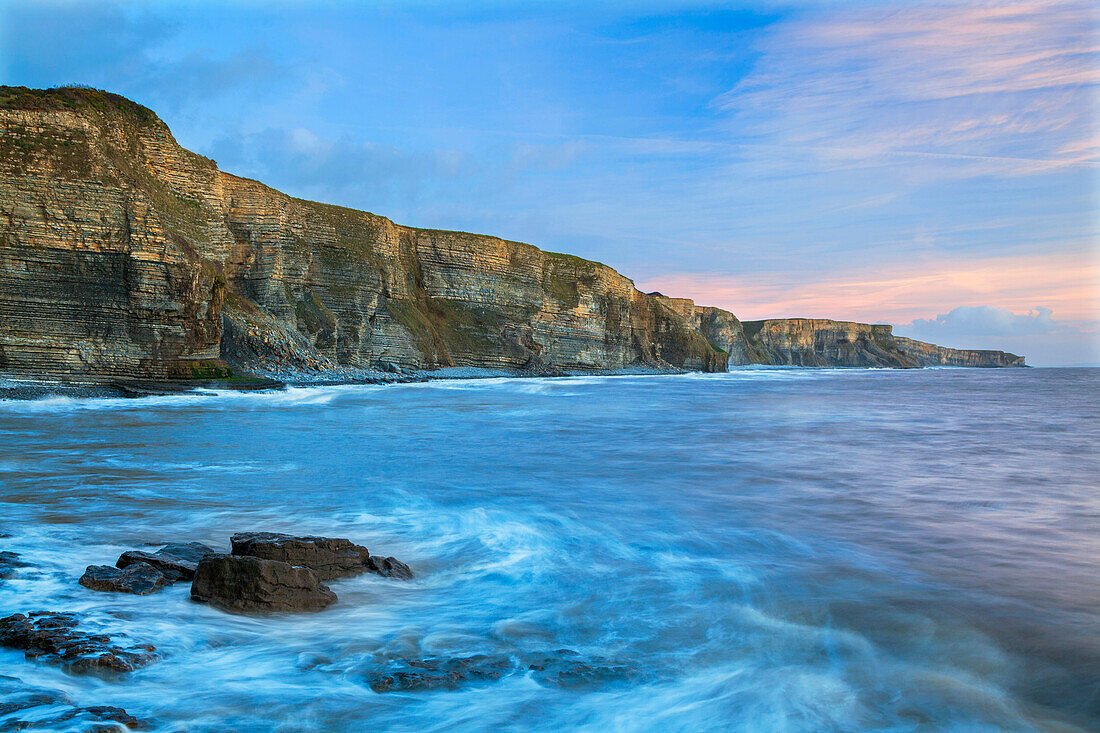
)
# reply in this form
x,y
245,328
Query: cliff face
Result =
x,y
124,255
820,342
931,355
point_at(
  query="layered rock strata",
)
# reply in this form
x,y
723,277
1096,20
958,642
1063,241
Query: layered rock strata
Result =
x,y
811,342
125,256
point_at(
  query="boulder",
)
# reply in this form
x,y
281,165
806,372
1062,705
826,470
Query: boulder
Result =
x,y
389,567
173,568
53,637
243,584
188,551
140,579
329,557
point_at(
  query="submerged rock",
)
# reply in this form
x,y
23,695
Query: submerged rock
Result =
x,y
9,561
438,673
173,568
140,579
244,583
329,557
53,637
562,668
23,707
566,668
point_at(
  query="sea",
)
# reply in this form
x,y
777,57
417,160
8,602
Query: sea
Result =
x,y
768,549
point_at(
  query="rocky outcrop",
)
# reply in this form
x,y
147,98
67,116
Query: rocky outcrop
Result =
x,y
812,342
9,563
248,584
30,707
562,668
329,557
140,578
122,255
172,568
53,636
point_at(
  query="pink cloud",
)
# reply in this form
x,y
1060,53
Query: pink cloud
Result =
x,y
1068,284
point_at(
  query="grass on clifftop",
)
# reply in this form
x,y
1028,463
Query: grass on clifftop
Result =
x,y
75,97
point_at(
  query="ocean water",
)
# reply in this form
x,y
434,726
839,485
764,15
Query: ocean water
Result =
x,y
765,550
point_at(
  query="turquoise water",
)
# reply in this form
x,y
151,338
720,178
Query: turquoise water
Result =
x,y
772,549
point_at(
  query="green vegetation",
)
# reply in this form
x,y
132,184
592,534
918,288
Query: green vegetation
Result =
x,y
75,97
443,327
65,152
315,315
200,369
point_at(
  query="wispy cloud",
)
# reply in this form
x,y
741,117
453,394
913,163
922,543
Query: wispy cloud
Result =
x,y
1012,84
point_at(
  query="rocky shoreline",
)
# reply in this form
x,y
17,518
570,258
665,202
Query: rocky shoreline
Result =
x,y
262,573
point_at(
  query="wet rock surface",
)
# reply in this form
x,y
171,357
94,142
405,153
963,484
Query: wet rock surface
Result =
x,y
139,578
172,568
9,563
567,668
562,668
186,551
249,584
438,673
329,557
26,707
389,567
53,636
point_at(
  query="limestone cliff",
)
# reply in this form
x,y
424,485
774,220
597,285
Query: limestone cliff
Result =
x,y
123,255
821,342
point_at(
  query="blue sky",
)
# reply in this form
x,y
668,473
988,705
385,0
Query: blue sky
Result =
x,y
932,165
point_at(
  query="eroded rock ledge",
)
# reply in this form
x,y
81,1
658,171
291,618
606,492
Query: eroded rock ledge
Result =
x,y
124,256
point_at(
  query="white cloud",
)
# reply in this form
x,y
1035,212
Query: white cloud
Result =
x,y
1009,86
988,320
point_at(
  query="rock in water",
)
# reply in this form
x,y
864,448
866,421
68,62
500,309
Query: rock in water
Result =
x,y
438,673
242,584
189,551
140,578
329,557
173,568
27,707
389,567
53,636
9,561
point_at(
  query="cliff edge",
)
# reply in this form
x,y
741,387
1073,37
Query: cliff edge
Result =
x,y
125,256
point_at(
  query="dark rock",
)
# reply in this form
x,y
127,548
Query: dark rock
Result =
x,y
53,637
328,557
438,673
389,567
188,551
9,561
173,568
140,579
244,583
565,668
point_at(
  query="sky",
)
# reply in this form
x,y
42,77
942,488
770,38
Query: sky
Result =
x,y
931,165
